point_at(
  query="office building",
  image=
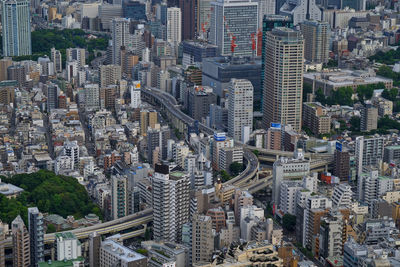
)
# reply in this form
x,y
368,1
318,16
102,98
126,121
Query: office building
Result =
x,y
199,100
107,13
92,96
369,118
157,138
52,97
78,54
135,94
369,151
189,19
4,64
341,167
195,52
301,10
71,149
288,169
229,155
203,18
202,238
233,20
147,119
391,154
94,249
119,197
16,28
219,141
109,75
174,25
283,83
21,243
316,41
120,37
7,95
316,118
134,10
68,246
240,109
17,73
170,203
56,59
331,235
265,8
112,252
36,235
270,22
218,72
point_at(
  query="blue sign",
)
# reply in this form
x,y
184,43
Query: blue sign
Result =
x,y
339,146
275,125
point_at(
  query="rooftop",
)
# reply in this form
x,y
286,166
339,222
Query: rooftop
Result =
x,y
121,251
67,263
9,189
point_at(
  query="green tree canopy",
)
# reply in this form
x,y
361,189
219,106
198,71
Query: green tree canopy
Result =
x,y
50,193
236,168
289,222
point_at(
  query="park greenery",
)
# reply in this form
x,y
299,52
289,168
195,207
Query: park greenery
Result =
x,y
289,222
343,95
44,40
51,193
390,57
236,168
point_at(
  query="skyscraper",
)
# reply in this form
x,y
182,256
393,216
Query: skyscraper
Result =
x,y
170,203
301,10
52,97
202,238
119,197
233,19
240,109
369,118
36,235
16,25
316,40
21,243
189,19
120,37
56,59
174,25
203,15
78,54
283,78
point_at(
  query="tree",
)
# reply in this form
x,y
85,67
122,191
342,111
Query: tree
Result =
x,y
225,176
390,94
355,124
289,222
51,229
320,96
307,89
235,168
256,152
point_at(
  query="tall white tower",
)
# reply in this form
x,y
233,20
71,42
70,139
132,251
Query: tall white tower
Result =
x,y
174,25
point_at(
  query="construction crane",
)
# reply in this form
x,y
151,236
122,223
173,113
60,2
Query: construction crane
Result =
x,y
231,37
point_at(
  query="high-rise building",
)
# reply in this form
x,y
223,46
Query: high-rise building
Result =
x,y
316,40
4,64
240,109
135,94
120,37
157,138
265,8
71,149
92,96
119,197
316,118
134,10
68,246
369,151
56,59
16,27
331,235
233,19
17,73
189,19
199,100
174,25
358,5
391,153
341,166
203,17
147,119
283,82
52,97
7,95
113,253
301,10
21,243
202,238
109,75
36,235
94,249
369,118
78,54
219,141
170,203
